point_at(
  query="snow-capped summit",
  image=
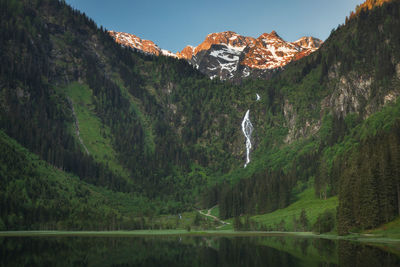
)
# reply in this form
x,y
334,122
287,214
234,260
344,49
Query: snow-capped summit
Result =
x,y
229,55
270,52
228,38
146,46
308,43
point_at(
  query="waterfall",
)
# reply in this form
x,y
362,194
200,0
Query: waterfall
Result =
x,y
258,97
247,129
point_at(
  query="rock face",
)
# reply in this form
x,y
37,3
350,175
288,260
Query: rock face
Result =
x,y
219,60
228,55
227,38
270,52
186,53
146,46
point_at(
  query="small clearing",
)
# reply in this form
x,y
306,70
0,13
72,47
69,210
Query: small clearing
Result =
x,y
208,214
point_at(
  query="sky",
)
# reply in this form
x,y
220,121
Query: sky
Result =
x,y
173,24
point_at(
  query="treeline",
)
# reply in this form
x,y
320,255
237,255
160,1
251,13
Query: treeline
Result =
x,y
173,128
366,46
35,196
369,182
47,45
33,112
262,193
367,5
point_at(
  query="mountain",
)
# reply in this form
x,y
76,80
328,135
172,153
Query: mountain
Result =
x,y
103,136
135,42
370,4
35,194
112,117
228,55
334,117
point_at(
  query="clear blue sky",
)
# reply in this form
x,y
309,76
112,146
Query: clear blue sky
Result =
x,y
173,24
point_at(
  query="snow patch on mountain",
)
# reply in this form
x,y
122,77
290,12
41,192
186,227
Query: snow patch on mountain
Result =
x,y
168,53
228,54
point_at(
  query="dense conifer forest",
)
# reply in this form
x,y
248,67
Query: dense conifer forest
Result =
x,y
92,130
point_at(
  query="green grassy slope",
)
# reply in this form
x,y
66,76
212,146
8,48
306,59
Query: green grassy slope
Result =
x,y
146,121
95,135
391,229
307,200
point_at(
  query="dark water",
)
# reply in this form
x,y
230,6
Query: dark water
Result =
x,y
190,251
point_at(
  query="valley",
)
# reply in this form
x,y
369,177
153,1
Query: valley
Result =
x,y
105,131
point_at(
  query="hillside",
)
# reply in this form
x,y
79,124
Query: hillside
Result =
x,y
113,117
163,136
36,195
325,112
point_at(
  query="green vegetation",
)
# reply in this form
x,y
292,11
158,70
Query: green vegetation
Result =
x,y
95,135
383,120
36,195
369,174
145,120
215,211
186,220
390,229
164,140
332,157
307,250
325,222
283,219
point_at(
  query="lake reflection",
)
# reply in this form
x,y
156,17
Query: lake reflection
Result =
x,y
188,251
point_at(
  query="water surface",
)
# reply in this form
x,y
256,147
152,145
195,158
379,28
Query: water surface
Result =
x,y
190,251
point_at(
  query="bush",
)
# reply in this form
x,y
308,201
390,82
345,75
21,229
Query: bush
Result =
x,y
237,224
2,225
325,222
303,220
197,219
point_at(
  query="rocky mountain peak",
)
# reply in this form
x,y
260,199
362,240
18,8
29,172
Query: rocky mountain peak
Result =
x,y
186,53
308,42
130,40
272,35
225,53
228,38
133,41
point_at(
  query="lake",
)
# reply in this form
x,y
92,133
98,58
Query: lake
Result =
x,y
191,251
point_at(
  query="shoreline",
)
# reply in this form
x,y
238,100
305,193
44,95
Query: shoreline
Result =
x,y
221,233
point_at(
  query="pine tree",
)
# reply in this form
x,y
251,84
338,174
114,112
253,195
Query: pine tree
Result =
x,y
303,220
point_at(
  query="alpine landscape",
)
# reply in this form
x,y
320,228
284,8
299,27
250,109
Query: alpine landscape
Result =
x,y
240,151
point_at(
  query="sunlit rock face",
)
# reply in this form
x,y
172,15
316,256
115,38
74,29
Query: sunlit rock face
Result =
x,y
228,55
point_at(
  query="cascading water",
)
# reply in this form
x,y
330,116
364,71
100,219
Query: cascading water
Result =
x,y
247,129
258,97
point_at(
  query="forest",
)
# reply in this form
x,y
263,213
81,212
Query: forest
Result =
x,y
159,137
